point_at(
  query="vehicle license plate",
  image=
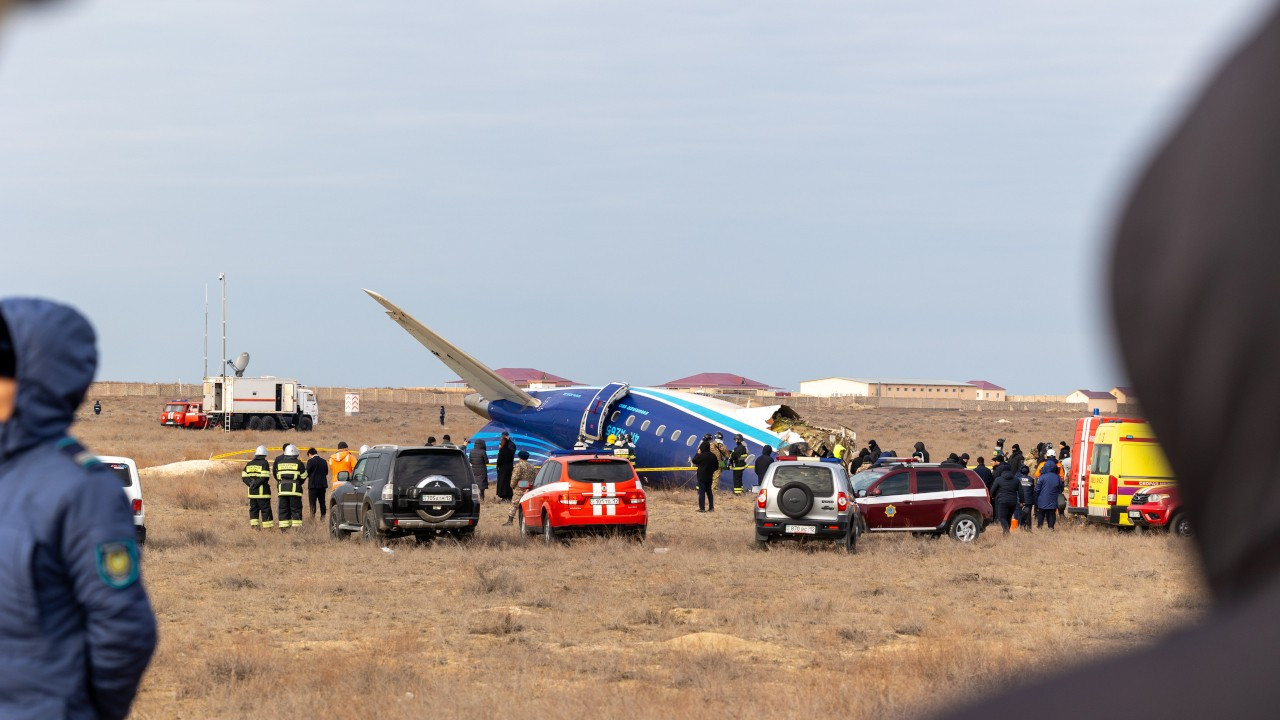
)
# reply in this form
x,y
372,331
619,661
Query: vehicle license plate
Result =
x,y
604,501
437,498
1135,513
801,529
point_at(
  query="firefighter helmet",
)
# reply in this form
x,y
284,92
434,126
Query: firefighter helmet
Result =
x,y
261,451
291,450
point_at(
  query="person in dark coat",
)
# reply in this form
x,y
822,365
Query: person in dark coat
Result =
x,y
1016,459
873,451
1026,497
504,463
97,407
1000,467
441,416
1048,488
762,464
76,626
1064,450
707,463
984,472
1195,303
856,463
317,483
480,465
920,453
1004,496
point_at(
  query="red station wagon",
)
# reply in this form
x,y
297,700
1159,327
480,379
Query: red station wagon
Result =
x,y
578,493
927,498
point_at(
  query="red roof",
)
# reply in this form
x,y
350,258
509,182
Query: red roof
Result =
x,y
525,376
716,380
984,385
1126,391
1096,395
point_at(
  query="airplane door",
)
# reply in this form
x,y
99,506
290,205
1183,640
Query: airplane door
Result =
x,y
593,419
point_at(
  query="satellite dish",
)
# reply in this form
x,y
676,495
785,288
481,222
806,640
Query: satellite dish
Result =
x,y
239,364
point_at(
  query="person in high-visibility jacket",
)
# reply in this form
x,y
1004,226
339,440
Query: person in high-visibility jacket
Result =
x,y
342,461
738,463
290,474
257,476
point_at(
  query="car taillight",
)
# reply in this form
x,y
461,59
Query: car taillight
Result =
x,y
137,506
475,491
631,498
388,492
842,502
570,499
762,499
1111,490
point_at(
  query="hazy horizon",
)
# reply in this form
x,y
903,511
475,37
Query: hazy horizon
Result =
x,y
604,192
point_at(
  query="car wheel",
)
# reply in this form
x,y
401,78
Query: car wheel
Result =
x,y
465,536
548,533
269,423
641,534
1181,526
524,526
850,541
795,500
305,423
369,528
965,528
255,423
762,541
335,530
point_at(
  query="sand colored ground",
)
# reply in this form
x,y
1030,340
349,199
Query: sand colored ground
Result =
x,y
695,623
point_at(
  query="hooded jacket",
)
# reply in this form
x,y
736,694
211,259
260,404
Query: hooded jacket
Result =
x,y
480,463
1048,486
1195,300
919,450
1005,489
76,627
763,462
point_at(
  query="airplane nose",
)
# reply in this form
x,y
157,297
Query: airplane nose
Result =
x,y
477,405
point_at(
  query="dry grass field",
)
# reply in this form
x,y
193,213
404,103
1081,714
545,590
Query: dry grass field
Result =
x,y
695,623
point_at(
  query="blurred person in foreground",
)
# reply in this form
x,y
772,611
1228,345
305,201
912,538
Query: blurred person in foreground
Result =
x,y
1195,300
76,626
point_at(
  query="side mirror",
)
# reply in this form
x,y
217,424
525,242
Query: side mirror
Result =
x,y
344,476
862,493
872,491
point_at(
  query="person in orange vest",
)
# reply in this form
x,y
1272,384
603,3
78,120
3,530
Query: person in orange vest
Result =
x,y
342,461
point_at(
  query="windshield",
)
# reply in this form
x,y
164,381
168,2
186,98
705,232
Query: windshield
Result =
x,y
866,478
817,477
604,471
121,471
174,408
412,467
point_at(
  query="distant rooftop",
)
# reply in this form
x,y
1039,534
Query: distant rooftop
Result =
x,y
525,376
1128,391
722,381
1097,395
984,385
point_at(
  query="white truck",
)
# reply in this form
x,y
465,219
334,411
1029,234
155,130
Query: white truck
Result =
x,y
259,403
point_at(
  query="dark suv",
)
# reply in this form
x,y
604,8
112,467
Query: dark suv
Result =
x,y
399,491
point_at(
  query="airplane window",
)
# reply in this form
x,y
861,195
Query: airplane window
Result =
x,y
614,416
661,429
644,426
692,438
675,434
630,419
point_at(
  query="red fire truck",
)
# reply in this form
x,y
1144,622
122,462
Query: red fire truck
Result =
x,y
184,414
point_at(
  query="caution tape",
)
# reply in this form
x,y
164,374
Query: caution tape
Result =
x,y
252,450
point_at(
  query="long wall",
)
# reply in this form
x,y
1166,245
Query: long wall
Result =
x,y
325,395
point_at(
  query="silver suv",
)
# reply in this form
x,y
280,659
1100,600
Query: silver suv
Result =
x,y
804,500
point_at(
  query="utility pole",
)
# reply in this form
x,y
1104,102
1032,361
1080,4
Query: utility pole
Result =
x,y
222,371
206,332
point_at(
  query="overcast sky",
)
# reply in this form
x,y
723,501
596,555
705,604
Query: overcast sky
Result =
x,y
632,191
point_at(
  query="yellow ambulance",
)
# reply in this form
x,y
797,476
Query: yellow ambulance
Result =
x,y
1126,458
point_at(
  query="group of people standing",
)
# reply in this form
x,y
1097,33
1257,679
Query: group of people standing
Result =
x,y
1017,491
289,473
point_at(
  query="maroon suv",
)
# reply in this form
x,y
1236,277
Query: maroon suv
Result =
x,y
927,498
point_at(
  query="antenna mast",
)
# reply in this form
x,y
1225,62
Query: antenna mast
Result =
x,y
206,331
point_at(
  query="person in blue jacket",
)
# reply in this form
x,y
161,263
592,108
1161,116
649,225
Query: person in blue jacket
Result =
x,y
1026,497
76,626
1048,488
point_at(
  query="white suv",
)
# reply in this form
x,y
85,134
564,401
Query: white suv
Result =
x,y
806,499
127,471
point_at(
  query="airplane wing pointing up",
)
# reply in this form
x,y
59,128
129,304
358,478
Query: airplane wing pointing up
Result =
x,y
483,380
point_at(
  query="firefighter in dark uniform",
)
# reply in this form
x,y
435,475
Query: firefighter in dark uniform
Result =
x,y
257,476
289,473
738,463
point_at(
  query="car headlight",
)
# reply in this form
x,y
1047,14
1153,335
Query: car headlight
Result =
x,y
1156,498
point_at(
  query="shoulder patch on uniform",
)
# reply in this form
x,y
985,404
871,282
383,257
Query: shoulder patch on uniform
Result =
x,y
118,563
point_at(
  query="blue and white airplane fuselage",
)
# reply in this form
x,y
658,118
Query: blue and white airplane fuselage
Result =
x,y
665,426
